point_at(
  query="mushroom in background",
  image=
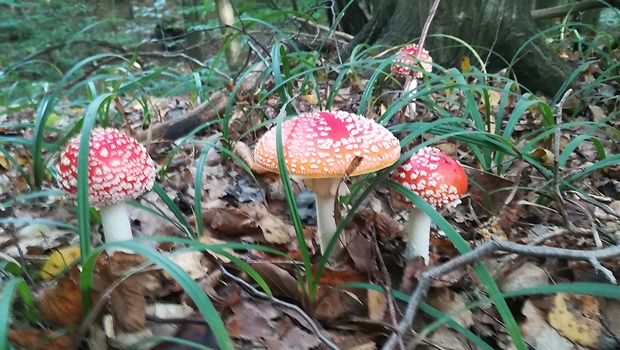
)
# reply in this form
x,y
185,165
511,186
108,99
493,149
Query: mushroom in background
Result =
x,y
319,147
119,168
440,181
409,56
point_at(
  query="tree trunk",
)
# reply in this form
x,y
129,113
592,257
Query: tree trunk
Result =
x,y
503,26
193,38
226,15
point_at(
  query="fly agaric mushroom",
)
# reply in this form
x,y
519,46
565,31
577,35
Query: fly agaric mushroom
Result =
x,y
119,168
408,56
319,147
437,179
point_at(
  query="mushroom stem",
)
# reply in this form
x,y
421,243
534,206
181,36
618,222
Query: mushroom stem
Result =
x,y
418,235
411,83
116,225
325,192
326,222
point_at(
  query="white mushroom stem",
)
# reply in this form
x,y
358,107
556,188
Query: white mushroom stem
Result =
x,y
418,235
326,191
116,225
411,83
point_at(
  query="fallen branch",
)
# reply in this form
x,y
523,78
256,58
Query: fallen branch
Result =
x,y
207,111
424,284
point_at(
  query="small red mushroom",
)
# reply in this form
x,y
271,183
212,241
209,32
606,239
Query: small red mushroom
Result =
x,y
439,180
119,168
319,147
409,56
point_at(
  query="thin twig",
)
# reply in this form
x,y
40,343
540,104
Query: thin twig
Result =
x,y
386,284
556,155
427,25
477,255
255,292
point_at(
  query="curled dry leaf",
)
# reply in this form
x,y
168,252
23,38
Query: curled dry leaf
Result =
x,y
244,152
544,155
576,317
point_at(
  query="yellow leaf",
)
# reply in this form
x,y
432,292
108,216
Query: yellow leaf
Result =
x,y
576,317
544,155
465,65
311,98
58,260
5,163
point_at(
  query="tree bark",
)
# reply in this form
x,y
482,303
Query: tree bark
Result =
x,y
502,26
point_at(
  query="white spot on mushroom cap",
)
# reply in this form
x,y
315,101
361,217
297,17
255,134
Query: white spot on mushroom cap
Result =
x,y
330,139
120,168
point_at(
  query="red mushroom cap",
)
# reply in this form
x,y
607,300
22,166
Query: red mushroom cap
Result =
x,y
434,176
407,56
323,145
119,167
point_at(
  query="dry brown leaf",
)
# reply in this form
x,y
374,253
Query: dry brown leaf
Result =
x,y
128,305
230,221
537,332
377,304
529,275
274,229
279,280
40,339
211,240
251,320
288,337
191,262
576,317
127,300
61,304
446,338
597,113
197,333
450,302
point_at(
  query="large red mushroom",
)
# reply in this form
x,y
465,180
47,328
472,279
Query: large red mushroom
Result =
x,y
439,180
319,147
119,168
